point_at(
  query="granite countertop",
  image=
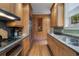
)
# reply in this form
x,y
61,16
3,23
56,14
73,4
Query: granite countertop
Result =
x,y
9,44
60,37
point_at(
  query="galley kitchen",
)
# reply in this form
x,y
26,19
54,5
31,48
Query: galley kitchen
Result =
x,y
39,29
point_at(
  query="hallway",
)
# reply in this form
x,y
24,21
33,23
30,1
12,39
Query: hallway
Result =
x,y
40,28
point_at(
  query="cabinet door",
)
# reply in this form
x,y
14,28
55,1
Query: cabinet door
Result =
x,y
56,50
26,46
54,16
63,50
60,16
57,15
52,45
8,6
59,49
5,6
67,51
2,54
18,11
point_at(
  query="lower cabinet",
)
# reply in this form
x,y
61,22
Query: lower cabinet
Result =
x,y
2,54
19,49
14,50
26,46
59,49
67,51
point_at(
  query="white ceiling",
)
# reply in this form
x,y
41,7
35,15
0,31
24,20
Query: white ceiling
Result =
x,y
41,8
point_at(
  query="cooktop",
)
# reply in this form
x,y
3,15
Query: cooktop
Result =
x,y
7,42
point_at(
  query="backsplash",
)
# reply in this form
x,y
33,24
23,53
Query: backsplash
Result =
x,y
3,26
71,31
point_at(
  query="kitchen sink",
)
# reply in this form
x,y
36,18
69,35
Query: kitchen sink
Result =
x,y
70,40
64,38
74,41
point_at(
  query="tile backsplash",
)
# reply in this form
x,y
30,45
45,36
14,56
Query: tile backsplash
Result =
x,y
71,31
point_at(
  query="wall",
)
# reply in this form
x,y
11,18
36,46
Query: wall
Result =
x,y
40,37
66,20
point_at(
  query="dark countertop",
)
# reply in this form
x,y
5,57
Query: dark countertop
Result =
x,y
8,44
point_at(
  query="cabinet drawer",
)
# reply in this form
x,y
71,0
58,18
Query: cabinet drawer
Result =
x,y
58,48
26,45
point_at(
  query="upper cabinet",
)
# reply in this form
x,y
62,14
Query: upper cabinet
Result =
x,y
53,15
18,12
23,11
57,15
8,7
7,16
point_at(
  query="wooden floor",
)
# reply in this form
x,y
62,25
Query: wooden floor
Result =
x,y
39,50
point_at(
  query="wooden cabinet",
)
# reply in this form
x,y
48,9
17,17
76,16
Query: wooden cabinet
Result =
x,y
53,46
13,49
25,20
26,46
60,15
8,6
54,15
57,15
59,49
24,12
17,48
15,8
2,54
66,51
18,12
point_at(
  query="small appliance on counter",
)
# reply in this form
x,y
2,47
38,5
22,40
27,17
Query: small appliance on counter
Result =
x,y
18,33
3,34
15,33
58,30
3,37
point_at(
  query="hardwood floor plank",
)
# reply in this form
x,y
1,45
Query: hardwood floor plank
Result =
x,y
39,50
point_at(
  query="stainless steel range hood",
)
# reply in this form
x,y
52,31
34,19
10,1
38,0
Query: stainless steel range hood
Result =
x,y
8,16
